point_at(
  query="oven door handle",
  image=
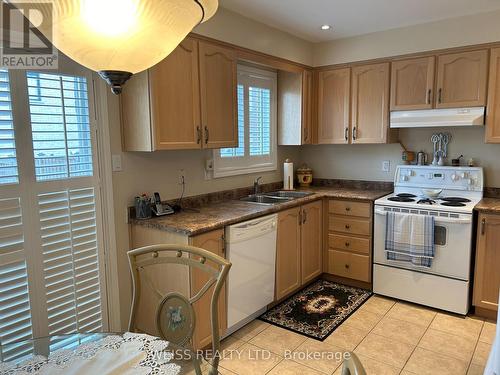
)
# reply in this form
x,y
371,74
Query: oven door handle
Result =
x,y
438,219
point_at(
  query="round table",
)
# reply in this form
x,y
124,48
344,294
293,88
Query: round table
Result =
x,y
98,353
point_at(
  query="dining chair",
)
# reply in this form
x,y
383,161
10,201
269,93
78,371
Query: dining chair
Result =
x,y
175,316
353,366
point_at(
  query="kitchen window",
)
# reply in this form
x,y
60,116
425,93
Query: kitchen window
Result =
x,y
256,151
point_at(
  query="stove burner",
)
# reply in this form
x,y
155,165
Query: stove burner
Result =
x,y
455,199
406,195
453,204
426,201
400,199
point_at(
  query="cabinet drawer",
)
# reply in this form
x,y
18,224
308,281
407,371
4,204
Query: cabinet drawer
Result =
x,y
349,208
347,243
350,225
352,266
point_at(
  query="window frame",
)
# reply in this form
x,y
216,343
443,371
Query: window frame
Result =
x,y
247,164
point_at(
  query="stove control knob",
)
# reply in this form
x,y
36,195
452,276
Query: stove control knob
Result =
x,y
464,175
470,181
430,176
405,178
455,177
410,173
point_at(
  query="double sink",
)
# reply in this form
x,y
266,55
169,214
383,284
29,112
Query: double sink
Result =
x,y
275,197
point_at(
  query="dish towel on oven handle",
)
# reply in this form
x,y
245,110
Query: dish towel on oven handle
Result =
x,y
410,238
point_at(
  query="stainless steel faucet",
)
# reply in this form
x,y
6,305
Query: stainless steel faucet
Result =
x,y
256,186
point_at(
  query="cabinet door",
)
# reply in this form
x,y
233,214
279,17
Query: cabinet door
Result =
x,y
370,103
175,100
412,82
493,108
333,106
307,123
288,252
461,79
487,275
218,96
311,241
212,241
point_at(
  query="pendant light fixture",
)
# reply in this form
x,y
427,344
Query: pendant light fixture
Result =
x,y
118,38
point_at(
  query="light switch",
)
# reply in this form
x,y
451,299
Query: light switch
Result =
x,y
386,166
116,161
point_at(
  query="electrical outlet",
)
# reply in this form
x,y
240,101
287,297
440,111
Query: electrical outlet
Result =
x,y
386,166
181,177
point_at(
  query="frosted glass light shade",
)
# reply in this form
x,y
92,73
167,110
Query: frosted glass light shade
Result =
x,y
122,35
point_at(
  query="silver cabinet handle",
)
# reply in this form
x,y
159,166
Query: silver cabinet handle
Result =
x,y
440,92
483,227
304,216
429,96
198,135
346,134
354,133
206,135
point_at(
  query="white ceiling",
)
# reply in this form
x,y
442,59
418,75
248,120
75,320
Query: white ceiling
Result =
x,y
303,18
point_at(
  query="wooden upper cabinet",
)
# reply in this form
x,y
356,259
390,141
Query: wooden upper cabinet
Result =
x,y
294,108
412,83
493,108
214,242
186,101
333,106
462,79
486,276
307,107
288,252
175,98
311,241
218,66
370,103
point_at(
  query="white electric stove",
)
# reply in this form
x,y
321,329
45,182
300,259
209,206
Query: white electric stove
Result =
x,y
445,285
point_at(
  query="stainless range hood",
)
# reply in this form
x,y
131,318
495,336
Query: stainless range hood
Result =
x,y
433,118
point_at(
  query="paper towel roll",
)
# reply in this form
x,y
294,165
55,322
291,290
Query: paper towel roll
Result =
x,y
288,175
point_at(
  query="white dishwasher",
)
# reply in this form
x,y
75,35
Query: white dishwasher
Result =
x,y
251,248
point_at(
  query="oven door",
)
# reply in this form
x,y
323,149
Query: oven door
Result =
x,y
452,237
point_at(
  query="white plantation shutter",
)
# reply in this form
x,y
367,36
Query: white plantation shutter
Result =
x,y
60,126
52,275
8,160
70,261
15,312
259,109
257,141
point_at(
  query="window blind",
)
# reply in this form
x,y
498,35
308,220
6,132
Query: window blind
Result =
x,y
8,161
70,260
240,150
60,126
259,112
15,312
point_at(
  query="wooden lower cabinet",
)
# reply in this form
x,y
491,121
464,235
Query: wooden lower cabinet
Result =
x,y
311,235
214,242
288,252
487,269
299,247
349,251
181,279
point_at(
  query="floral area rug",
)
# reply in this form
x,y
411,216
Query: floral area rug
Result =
x,y
317,310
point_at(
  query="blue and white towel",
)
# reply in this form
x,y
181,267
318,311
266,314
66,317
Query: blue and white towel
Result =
x,y
410,238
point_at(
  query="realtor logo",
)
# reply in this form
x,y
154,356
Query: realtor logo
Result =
x,y
23,44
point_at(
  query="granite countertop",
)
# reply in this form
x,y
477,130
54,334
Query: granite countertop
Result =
x,y
217,215
491,205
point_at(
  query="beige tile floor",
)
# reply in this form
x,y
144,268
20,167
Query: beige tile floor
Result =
x,y
389,337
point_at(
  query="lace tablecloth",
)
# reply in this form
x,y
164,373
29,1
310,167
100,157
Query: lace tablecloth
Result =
x,y
127,354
